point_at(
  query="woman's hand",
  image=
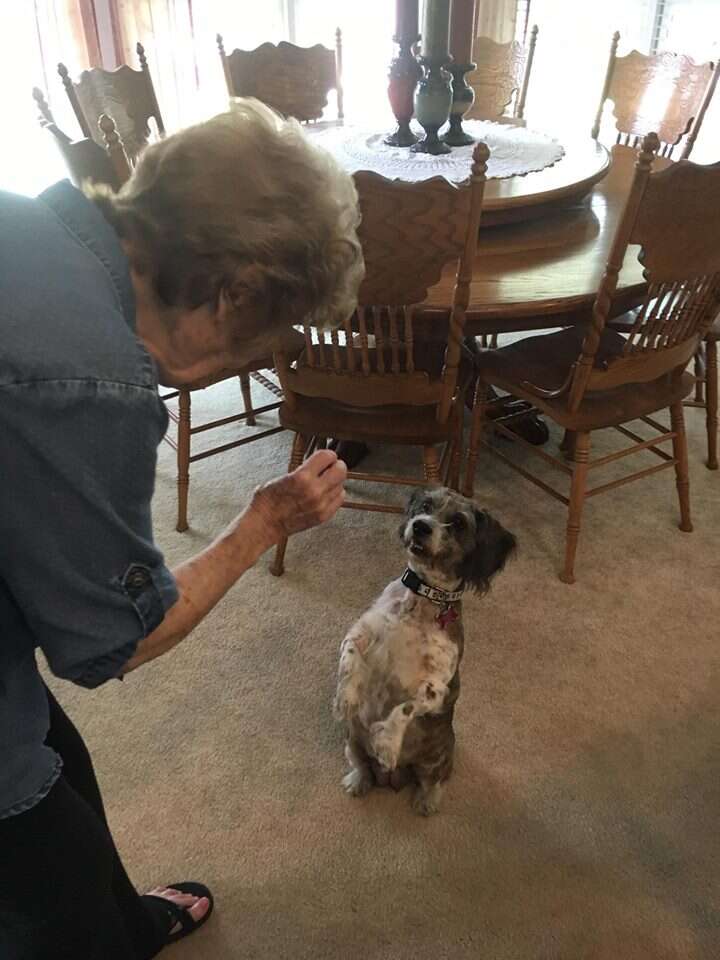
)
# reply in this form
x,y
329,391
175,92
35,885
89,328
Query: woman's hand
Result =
x,y
308,496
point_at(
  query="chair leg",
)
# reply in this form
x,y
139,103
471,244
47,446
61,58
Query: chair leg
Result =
x,y
247,398
567,445
431,465
456,452
183,459
711,401
300,444
698,371
476,428
577,499
677,420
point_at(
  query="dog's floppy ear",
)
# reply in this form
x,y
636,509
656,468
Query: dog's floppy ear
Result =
x,y
493,545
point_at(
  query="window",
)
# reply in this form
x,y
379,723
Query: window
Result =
x,y
687,26
571,58
522,21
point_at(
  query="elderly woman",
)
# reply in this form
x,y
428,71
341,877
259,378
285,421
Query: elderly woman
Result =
x,y
227,234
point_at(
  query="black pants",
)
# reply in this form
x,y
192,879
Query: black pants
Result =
x,y
64,894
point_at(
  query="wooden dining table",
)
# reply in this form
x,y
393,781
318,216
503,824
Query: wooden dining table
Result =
x,y
545,272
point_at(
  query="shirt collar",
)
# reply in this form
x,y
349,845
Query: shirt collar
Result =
x,y
85,222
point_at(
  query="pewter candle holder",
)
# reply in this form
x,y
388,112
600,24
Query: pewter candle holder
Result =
x,y
433,98
463,97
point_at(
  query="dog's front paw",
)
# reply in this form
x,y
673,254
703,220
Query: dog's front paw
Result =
x,y
340,707
385,745
347,698
358,782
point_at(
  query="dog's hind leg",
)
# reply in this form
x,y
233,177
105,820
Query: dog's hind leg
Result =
x,y
426,800
431,776
359,780
380,774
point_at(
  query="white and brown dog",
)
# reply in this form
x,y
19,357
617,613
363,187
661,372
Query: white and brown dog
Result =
x,y
399,678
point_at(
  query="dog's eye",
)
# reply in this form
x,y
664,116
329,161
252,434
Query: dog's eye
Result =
x,y
426,506
458,522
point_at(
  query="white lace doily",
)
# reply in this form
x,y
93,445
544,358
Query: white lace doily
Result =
x,y
514,151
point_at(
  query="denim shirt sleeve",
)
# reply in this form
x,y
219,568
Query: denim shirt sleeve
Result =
x,y
77,553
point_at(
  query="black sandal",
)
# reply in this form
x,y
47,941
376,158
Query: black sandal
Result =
x,y
169,914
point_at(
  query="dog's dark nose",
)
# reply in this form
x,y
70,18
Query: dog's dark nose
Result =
x,y
421,529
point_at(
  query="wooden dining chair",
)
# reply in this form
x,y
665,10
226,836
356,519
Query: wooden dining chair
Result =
x,y
667,94
293,80
87,161
501,78
377,379
126,94
591,379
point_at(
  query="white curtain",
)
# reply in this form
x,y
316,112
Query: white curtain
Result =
x,y
33,38
367,31
496,19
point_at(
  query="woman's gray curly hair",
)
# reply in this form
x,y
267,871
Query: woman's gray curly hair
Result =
x,y
244,206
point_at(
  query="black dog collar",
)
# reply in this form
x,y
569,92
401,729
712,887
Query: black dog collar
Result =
x,y
434,594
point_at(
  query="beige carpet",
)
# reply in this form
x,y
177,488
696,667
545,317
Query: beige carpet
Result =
x,y
582,822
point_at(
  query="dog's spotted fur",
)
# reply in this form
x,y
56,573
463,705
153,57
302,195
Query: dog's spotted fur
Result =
x,y
399,676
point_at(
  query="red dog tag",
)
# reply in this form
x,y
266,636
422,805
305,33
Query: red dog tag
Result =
x,y
448,615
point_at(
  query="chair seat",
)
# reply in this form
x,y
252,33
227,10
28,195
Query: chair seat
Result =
x,y
545,361
392,424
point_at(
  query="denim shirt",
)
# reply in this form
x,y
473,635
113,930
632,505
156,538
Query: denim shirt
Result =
x,y
80,423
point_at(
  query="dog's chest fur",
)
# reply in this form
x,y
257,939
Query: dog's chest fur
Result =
x,y
405,645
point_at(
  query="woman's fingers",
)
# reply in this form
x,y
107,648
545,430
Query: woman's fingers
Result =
x,y
323,468
311,494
